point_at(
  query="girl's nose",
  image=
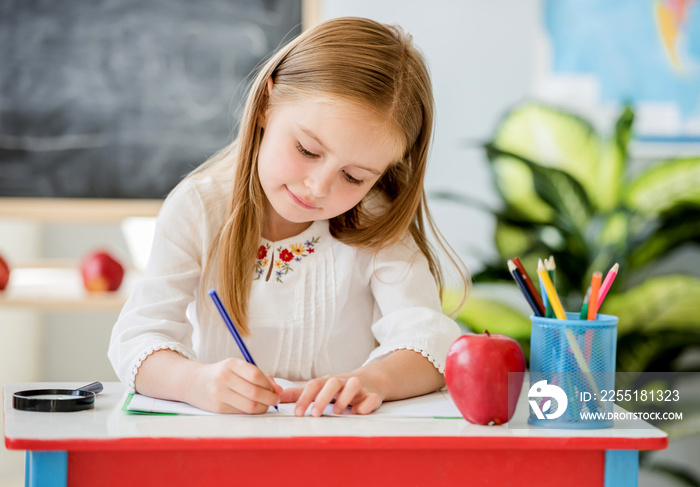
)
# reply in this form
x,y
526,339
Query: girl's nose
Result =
x,y
318,183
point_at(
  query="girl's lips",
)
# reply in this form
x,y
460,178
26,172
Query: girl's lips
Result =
x,y
300,201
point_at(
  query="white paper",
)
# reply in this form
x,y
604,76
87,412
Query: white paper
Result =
x,y
436,405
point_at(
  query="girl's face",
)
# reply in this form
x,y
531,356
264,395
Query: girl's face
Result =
x,y
318,159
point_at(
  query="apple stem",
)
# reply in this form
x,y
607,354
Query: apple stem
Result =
x,y
487,333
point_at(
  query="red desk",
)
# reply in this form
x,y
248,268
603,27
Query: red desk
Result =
x,y
107,447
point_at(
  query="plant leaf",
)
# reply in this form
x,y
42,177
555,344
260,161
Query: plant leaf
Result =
x,y
673,230
566,196
666,186
480,314
553,138
607,191
671,301
563,193
514,240
492,273
514,182
462,199
654,350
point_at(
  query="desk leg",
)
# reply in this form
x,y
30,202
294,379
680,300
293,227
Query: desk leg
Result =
x,y
46,469
621,468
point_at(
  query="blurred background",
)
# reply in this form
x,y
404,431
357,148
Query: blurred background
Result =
x,y
563,128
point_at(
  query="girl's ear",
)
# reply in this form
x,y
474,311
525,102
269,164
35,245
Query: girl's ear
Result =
x,y
262,118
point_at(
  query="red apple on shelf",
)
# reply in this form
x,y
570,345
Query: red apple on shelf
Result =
x,y
101,272
4,273
484,374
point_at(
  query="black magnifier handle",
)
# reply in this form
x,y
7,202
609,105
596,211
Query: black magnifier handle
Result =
x,y
95,387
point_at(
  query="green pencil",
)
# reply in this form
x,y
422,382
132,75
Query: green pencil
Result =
x,y
584,308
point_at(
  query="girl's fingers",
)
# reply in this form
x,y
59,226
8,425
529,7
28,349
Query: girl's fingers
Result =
x,y
291,394
311,390
352,387
275,386
322,391
254,393
332,386
370,403
227,400
252,374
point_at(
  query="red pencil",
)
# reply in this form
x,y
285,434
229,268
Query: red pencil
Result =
x,y
530,286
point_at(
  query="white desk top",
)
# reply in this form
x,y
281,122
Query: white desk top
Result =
x,y
108,427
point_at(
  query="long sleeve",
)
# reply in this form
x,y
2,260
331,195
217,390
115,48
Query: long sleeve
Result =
x,y
155,315
408,300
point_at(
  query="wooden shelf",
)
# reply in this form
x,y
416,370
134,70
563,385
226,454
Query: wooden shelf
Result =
x,y
81,210
91,303
60,287
57,285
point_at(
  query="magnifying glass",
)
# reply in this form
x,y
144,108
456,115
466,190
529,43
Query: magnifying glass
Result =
x,y
57,400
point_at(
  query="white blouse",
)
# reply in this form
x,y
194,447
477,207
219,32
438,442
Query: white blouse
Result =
x,y
317,305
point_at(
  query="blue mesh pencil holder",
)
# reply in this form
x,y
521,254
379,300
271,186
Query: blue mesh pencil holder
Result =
x,y
571,362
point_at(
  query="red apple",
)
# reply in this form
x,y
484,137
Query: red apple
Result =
x,y
4,273
101,272
477,376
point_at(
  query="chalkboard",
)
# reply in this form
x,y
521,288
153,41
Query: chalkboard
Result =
x,y
119,98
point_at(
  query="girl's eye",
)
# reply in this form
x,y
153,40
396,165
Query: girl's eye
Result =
x,y
304,151
351,179
307,153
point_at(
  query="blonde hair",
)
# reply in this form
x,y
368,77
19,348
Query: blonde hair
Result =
x,y
349,59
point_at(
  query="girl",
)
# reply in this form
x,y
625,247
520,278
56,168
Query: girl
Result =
x,y
311,227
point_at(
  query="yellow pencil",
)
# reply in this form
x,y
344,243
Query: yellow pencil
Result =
x,y
552,295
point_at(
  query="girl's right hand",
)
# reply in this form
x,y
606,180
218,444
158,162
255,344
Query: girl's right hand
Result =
x,y
233,386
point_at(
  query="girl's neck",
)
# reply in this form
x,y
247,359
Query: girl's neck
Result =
x,y
277,228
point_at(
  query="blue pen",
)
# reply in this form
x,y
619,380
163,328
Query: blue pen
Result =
x,y
232,328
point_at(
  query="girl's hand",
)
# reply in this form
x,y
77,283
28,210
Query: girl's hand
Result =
x,y
233,386
346,391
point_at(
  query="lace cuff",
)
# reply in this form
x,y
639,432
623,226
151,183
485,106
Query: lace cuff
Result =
x,y
174,346
381,352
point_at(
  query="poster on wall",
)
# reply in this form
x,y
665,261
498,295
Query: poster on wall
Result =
x,y
597,55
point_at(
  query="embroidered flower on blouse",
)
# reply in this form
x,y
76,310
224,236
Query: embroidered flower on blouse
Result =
x,y
297,249
281,258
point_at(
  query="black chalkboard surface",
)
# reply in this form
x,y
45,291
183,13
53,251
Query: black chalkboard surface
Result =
x,y
122,98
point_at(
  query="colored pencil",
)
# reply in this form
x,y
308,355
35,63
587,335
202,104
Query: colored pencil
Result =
x,y
552,296
530,285
232,329
595,290
543,291
609,278
589,332
584,308
551,270
513,269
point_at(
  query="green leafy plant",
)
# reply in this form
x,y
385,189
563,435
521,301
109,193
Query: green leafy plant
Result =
x,y
569,192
